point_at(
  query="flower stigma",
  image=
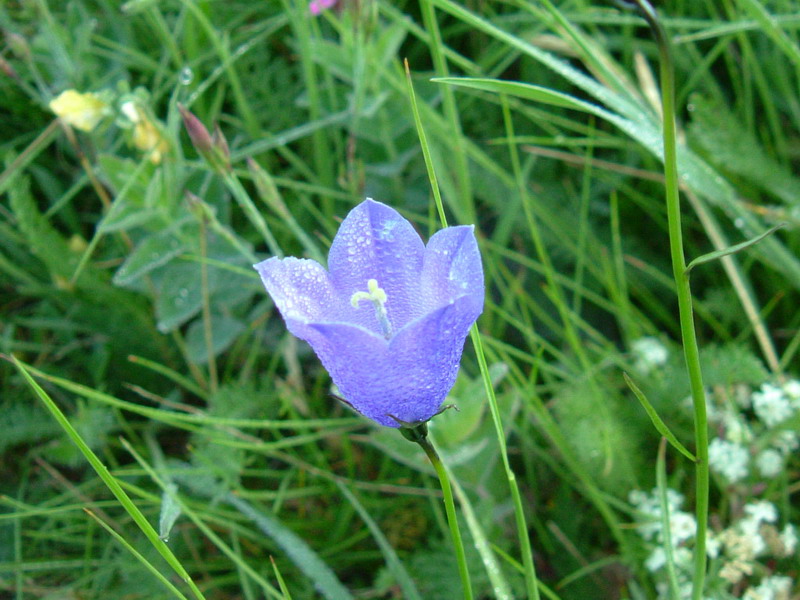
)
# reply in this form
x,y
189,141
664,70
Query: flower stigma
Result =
x,y
377,296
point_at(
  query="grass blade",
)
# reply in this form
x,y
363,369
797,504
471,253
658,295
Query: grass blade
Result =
x,y
175,591
112,484
657,422
392,561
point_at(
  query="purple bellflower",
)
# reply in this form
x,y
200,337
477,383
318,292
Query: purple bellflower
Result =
x,y
389,317
315,7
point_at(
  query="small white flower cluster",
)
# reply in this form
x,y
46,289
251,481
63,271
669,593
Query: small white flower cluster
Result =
x,y
648,354
770,588
752,537
742,443
774,404
682,529
734,552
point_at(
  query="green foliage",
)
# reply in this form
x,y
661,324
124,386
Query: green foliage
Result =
x,y
608,439
94,424
730,365
24,424
738,152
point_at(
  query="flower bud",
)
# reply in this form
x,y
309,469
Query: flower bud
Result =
x,y
221,146
201,139
19,45
213,148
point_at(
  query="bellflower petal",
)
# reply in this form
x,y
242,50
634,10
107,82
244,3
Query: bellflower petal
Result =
x,y
400,373
452,268
376,242
406,379
302,291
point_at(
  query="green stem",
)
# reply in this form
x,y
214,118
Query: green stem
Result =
x,y
519,514
690,349
461,165
419,434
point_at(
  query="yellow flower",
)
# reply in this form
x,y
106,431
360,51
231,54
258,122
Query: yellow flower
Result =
x,y
82,111
147,137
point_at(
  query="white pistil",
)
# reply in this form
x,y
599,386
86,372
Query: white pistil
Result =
x,y
377,296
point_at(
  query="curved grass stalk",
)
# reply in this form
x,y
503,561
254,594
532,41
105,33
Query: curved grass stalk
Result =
x,y
690,348
475,336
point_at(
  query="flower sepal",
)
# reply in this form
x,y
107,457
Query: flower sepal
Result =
x,y
416,432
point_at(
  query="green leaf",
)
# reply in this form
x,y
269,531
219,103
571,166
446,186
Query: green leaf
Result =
x,y
224,330
147,564
23,422
170,511
642,125
731,364
109,480
43,239
657,422
302,555
93,422
454,427
717,254
180,294
527,91
281,583
152,252
734,149
132,183
390,556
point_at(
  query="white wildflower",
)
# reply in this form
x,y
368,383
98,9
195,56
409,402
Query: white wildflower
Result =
x,y
771,588
739,552
769,462
682,526
648,353
636,497
789,539
713,413
657,560
674,499
131,111
786,441
683,557
736,430
792,389
713,545
758,513
741,394
729,459
761,512
771,405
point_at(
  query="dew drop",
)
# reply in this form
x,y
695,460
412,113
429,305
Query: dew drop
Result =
x,y
186,76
